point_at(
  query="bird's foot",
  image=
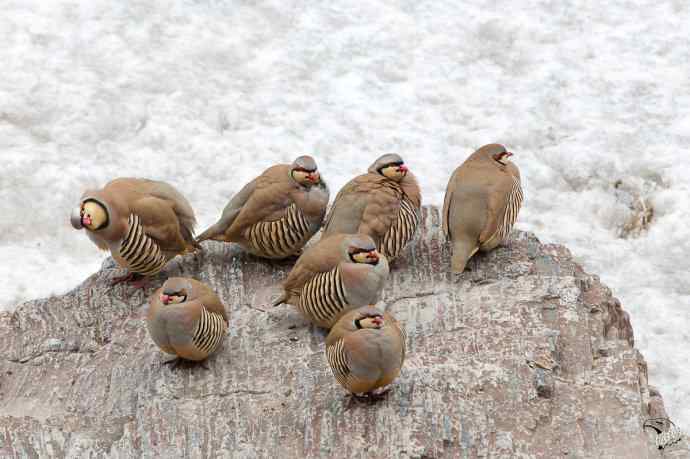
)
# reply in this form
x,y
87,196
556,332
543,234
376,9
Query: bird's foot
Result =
x,y
136,280
378,395
367,398
177,361
381,392
174,363
356,400
142,283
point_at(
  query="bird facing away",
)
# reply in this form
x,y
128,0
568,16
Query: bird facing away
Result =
x,y
482,202
187,319
275,214
144,223
338,273
384,203
366,350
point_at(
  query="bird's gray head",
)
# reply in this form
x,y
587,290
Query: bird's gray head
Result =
x,y
496,152
304,171
362,249
390,166
368,317
91,214
176,290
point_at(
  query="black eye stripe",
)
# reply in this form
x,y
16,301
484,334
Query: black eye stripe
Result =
x,y
374,316
107,213
385,166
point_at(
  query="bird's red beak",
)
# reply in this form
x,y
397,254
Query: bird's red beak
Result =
x,y
313,177
403,168
378,321
165,299
508,154
373,255
86,220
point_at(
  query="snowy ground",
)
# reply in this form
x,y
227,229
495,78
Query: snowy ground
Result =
x,y
206,94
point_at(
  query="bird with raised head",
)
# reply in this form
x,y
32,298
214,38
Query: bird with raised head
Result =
x,y
481,205
143,223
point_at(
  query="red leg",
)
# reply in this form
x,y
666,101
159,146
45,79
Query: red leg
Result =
x,y
141,283
135,279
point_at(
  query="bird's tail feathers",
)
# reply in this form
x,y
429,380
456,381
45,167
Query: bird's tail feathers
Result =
x,y
281,299
462,252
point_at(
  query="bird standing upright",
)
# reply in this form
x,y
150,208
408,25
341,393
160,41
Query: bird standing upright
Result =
x,y
338,273
384,203
482,201
144,223
366,350
277,213
187,319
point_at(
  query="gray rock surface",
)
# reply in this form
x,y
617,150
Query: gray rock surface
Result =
x,y
525,355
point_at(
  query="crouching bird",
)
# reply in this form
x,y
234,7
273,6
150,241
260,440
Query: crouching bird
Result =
x,y
143,223
366,350
338,273
277,213
187,319
384,203
482,201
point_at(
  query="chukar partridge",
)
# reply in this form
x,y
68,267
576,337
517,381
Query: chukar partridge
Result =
x,y
482,202
187,319
143,223
366,350
384,203
338,273
275,214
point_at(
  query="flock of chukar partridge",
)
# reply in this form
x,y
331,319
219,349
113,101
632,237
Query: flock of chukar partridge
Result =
x,y
335,282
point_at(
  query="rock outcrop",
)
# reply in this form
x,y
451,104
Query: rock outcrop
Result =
x,y
526,355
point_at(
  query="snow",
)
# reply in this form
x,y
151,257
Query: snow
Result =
x,y
206,94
